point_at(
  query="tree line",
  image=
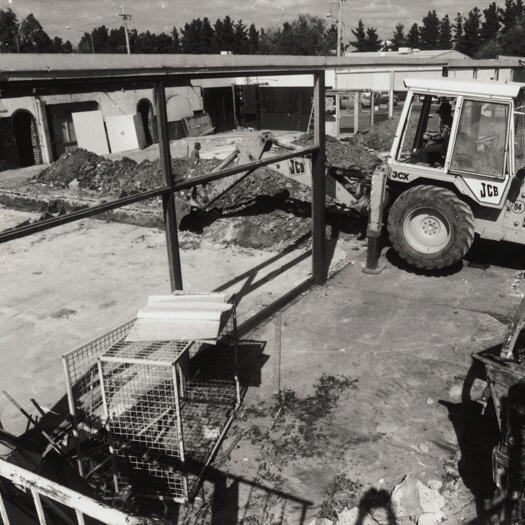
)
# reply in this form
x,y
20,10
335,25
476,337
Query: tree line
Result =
x,y
306,35
482,33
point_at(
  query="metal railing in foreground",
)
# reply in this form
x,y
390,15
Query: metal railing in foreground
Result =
x,y
82,505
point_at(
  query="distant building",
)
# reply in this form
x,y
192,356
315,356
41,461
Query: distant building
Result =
x,y
424,54
38,129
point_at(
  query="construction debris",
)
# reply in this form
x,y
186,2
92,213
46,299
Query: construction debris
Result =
x,y
345,154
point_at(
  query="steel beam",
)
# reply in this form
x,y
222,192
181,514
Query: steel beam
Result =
x,y
168,199
319,266
24,231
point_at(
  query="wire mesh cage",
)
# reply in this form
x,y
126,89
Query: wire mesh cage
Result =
x,y
161,408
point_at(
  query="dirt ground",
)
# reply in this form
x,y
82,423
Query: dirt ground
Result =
x,y
372,367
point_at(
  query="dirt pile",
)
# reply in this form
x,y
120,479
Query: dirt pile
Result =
x,y
345,155
262,210
258,187
379,137
85,170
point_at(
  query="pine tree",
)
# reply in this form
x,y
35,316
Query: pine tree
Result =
x,y
207,42
398,38
507,15
240,38
445,33
490,25
458,30
8,31
253,39
32,37
191,36
413,37
471,41
224,34
372,40
429,31
360,37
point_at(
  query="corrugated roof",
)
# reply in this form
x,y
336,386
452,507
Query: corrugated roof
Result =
x,y
467,87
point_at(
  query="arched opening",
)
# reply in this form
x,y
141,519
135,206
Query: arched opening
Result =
x,y
145,110
26,138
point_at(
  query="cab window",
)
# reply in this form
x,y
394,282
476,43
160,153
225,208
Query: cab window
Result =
x,y
519,131
481,139
426,135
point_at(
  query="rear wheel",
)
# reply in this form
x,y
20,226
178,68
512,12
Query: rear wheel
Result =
x,y
430,227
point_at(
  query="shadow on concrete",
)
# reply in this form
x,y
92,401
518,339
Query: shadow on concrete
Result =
x,y
395,260
485,253
477,434
263,504
373,500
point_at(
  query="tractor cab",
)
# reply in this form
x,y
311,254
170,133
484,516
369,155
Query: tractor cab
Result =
x,y
455,169
461,129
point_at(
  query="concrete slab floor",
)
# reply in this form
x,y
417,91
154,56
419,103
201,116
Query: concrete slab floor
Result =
x,y
68,285
407,339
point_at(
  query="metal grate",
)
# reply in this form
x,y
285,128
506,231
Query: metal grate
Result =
x,y
161,407
80,365
152,352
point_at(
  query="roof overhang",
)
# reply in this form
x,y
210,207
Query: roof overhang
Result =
x,y
454,86
32,74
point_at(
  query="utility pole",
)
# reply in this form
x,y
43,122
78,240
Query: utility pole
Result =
x,y
339,26
338,53
125,17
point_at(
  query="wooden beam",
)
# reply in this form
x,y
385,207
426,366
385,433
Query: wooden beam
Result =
x,y
319,266
168,200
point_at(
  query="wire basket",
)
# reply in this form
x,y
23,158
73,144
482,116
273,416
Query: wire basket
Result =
x,y
162,408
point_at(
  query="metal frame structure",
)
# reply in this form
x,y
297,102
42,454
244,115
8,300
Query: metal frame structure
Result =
x,y
51,75
150,406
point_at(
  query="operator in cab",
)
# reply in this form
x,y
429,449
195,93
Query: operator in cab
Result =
x,y
434,152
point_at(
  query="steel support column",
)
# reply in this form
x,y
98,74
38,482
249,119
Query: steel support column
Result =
x,y
319,266
168,201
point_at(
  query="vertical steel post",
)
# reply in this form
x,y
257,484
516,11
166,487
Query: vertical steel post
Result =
x,y
168,201
372,108
319,269
357,110
391,95
277,357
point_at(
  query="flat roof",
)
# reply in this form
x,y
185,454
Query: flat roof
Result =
x,y
468,86
14,67
486,63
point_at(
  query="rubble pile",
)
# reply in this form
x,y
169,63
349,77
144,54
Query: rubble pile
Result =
x,y
263,183
379,137
262,210
85,170
345,155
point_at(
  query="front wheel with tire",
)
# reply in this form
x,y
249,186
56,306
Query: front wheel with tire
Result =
x,y
430,227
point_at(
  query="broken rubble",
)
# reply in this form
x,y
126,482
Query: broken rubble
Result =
x,y
355,517
412,499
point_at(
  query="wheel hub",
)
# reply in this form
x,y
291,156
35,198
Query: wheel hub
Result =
x,y
427,230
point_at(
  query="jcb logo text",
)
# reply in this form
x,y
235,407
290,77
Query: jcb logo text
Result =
x,y
487,190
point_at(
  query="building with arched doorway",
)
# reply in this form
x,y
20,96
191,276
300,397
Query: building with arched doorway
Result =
x,y
36,130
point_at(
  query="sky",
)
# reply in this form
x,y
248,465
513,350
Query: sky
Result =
x,y
161,15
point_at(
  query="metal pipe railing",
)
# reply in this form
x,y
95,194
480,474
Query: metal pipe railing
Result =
x,y
81,504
